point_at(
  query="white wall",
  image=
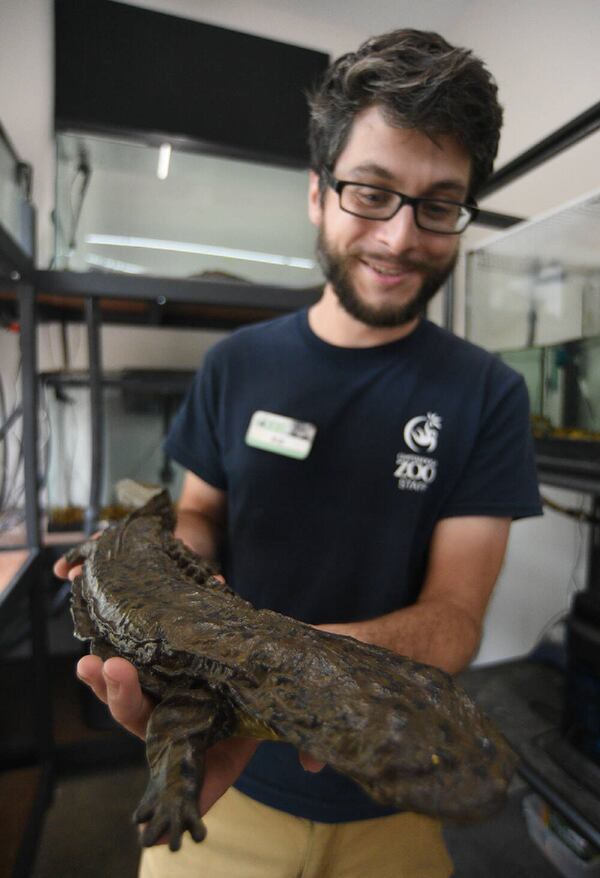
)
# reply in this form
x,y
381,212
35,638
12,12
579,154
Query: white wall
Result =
x,y
544,55
27,99
545,565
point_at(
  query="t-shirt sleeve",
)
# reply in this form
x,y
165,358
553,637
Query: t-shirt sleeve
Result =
x,y
193,439
500,477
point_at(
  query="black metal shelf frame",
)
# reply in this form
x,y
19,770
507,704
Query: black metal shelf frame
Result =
x,y
197,291
17,271
95,285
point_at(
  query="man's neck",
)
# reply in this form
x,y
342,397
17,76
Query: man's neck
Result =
x,y
333,324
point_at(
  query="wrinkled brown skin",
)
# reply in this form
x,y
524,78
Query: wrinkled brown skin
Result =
x,y
403,731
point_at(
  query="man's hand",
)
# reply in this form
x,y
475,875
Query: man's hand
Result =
x,y
63,570
116,683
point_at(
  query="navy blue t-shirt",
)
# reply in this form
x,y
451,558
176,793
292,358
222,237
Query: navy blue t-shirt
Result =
x,y
398,436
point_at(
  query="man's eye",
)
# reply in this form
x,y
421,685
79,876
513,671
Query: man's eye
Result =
x,y
439,210
371,197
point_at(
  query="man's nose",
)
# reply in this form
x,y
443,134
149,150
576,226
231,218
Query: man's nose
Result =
x,y
400,233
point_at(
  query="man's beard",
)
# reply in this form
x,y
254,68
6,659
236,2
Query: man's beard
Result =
x,y
336,269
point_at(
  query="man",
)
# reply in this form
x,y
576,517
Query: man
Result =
x,y
353,465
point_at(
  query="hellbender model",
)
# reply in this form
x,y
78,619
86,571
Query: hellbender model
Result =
x,y
217,667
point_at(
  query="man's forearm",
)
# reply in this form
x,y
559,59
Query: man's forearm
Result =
x,y
200,533
436,633
444,627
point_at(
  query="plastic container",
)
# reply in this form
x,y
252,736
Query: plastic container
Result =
x,y
543,824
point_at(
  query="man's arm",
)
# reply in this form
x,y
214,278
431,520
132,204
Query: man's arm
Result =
x,y
444,626
201,515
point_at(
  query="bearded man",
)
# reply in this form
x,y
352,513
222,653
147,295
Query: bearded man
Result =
x,y
383,510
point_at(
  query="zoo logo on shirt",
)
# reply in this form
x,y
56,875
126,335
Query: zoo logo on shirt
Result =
x,y
414,471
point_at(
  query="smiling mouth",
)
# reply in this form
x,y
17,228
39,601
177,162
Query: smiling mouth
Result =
x,y
389,271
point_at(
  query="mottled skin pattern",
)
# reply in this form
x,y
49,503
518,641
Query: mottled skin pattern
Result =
x,y
216,666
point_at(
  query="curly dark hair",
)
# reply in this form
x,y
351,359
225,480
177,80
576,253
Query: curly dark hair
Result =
x,y
420,81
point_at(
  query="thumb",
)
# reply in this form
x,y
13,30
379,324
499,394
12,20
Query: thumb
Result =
x,y
309,763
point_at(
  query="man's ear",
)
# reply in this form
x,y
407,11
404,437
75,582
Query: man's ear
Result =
x,y
315,201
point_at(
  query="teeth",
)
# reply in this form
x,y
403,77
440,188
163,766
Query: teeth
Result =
x,y
386,271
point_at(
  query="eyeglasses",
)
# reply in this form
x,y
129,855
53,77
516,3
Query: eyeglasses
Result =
x,y
377,203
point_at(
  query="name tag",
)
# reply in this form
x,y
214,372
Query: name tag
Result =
x,y
280,435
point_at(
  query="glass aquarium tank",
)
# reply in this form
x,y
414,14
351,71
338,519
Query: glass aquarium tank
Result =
x,y
533,297
124,206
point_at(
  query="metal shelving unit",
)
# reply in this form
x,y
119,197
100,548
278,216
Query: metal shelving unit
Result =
x,y
29,297
208,303
17,223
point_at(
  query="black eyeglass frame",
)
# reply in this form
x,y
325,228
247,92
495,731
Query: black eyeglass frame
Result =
x,y
339,185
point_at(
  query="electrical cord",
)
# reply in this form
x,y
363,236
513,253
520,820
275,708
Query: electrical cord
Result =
x,y
571,512
85,172
12,484
11,492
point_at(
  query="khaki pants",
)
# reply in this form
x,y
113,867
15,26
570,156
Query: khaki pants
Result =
x,y
246,839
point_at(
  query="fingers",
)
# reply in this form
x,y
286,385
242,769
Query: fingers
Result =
x,y
309,763
89,671
116,683
63,570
